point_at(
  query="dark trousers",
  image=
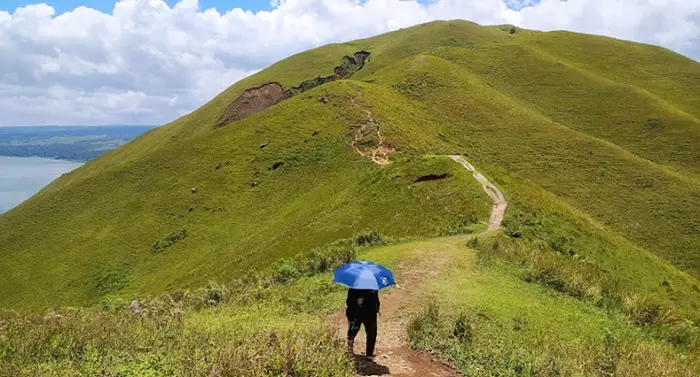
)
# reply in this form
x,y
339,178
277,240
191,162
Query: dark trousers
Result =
x,y
370,323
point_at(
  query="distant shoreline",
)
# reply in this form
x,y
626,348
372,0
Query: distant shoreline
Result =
x,y
67,143
22,177
47,158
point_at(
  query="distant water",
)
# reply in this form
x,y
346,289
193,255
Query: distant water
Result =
x,y
22,177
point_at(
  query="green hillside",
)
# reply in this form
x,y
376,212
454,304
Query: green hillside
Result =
x,y
622,151
594,142
617,144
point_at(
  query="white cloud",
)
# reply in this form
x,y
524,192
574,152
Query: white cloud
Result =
x,y
148,63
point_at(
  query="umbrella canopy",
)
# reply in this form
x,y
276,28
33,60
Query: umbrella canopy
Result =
x,y
363,275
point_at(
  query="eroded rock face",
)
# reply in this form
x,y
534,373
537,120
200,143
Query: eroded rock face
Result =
x,y
262,97
252,101
361,58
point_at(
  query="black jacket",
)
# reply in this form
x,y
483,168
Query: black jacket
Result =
x,y
368,305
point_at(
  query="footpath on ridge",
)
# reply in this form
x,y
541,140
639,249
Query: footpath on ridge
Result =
x,y
394,355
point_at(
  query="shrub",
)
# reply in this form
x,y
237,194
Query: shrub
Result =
x,y
174,237
463,329
654,123
426,331
211,295
287,272
369,239
646,313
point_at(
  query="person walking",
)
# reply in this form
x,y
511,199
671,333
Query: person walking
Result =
x,y
364,281
362,308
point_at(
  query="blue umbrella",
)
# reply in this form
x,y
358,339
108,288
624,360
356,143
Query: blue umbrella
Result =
x,y
363,275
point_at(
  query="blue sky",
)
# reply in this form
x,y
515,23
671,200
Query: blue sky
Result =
x,y
221,5
107,5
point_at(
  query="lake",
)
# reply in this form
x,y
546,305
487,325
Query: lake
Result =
x,y
22,177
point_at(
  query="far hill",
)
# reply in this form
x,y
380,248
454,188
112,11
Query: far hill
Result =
x,y
76,143
594,141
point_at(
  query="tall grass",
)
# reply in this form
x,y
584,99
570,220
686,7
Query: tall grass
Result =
x,y
548,255
155,337
482,346
93,343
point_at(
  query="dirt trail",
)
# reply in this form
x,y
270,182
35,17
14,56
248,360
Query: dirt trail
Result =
x,y
498,209
369,142
394,357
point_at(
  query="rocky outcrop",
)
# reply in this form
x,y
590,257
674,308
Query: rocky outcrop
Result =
x,y
347,68
257,99
252,101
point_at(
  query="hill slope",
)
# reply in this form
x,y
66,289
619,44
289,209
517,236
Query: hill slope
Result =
x,y
590,136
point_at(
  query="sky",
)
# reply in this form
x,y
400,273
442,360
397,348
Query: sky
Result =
x,y
92,62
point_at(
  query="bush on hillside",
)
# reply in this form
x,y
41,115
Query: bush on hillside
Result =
x,y
427,331
463,329
369,239
654,123
174,237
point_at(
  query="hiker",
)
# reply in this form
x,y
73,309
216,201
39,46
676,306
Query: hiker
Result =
x,y
362,308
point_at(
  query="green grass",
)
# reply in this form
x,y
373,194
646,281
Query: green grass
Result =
x,y
555,119
488,322
322,192
255,326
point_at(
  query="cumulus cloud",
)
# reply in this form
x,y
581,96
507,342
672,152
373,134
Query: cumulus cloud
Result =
x,y
148,63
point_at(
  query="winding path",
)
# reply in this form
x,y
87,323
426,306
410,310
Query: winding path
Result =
x,y
498,209
394,355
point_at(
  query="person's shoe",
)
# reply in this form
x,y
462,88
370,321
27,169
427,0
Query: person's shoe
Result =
x,y
351,347
370,358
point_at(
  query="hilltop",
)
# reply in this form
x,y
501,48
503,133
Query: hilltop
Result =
x,y
593,141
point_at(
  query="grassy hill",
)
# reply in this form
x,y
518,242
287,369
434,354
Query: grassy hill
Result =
x,y
618,144
593,141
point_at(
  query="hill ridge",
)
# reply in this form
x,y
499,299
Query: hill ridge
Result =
x,y
435,90
654,96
